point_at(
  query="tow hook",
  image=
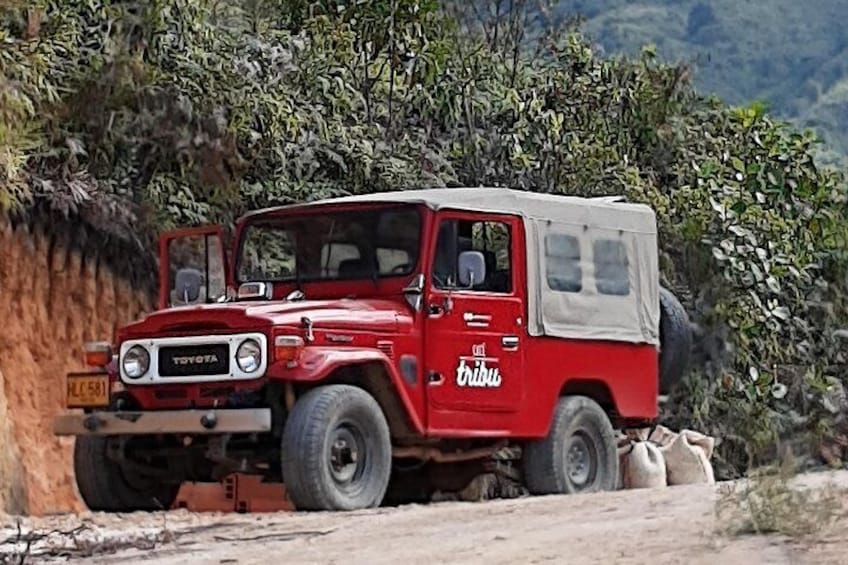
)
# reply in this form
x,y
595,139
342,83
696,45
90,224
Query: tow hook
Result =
x,y
92,423
209,420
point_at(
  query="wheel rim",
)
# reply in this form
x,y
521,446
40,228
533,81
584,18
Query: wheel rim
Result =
x,y
581,461
133,480
346,457
140,483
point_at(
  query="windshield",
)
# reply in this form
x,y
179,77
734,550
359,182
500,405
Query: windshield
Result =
x,y
334,246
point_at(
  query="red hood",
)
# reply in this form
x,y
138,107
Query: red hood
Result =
x,y
350,314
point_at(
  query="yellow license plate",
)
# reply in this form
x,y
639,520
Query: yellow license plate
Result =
x,y
87,391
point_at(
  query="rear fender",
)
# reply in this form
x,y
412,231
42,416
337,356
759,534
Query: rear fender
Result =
x,y
366,368
621,406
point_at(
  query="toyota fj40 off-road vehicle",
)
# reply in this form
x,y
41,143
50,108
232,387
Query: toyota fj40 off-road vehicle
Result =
x,y
374,348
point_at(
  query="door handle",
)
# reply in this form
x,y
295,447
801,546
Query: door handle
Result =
x,y
510,341
435,310
439,310
435,378
473,320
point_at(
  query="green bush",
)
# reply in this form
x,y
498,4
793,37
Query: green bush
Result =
x,y
142,116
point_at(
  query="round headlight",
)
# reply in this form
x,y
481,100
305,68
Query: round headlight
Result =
x,y
136,362
249,356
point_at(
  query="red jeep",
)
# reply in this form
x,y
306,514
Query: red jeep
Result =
x,y
375,348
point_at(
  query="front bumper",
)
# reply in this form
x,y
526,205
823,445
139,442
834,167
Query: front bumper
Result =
x,y
212,421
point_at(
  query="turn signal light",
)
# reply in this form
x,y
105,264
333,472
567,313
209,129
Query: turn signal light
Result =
x,y
97,354
288,347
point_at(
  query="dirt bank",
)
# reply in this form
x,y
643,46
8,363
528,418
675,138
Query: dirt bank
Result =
x,y
52,302
669,525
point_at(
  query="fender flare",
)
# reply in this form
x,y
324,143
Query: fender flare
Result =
x,y
319,363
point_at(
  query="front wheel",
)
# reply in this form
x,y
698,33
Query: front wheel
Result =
x,y
108,485
336,450
579,453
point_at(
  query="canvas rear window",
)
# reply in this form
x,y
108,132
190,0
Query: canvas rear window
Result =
x,y
611,267
562,258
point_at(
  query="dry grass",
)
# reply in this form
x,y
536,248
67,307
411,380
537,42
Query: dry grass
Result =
x,y
772,502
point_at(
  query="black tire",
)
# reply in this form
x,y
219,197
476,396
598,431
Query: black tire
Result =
x,y
106,487
675,341
580,425
326,427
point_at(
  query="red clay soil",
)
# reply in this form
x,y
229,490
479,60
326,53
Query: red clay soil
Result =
x,y
50,303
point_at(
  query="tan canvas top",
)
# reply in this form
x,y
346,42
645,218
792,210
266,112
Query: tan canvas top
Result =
x,y
634,217
592,263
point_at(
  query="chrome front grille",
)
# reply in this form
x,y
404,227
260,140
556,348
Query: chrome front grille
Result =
x,y
187,360
194,359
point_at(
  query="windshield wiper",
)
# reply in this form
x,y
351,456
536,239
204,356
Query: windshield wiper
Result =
x,y
375,272
297,284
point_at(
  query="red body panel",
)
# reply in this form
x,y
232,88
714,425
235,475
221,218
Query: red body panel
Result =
x,y
512,393
464,350
628,371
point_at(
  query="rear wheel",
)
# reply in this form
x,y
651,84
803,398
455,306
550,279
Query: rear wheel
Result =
x,y
108,485
336,451
579,453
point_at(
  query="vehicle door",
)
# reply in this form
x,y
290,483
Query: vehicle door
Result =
x,y
473,337
192,267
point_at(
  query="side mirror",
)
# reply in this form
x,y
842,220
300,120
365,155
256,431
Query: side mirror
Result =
x,y
472,268
187,285
255,290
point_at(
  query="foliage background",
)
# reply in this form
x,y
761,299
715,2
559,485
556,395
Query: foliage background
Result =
x,y
134,117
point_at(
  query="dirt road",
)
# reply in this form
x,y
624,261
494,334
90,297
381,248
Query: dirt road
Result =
x,y
671,525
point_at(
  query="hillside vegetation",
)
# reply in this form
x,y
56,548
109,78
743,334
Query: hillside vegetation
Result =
x,y
791,55
140,116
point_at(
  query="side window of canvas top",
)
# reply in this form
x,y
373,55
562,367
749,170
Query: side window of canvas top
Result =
x,y
611,267
564,272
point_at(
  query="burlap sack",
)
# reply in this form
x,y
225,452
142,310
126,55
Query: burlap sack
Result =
x,y
662,436
642,466
687,459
